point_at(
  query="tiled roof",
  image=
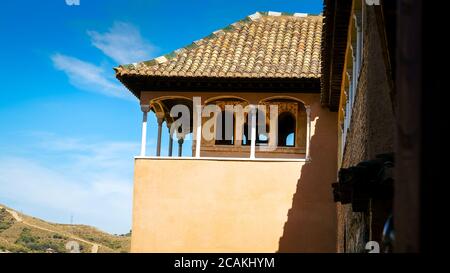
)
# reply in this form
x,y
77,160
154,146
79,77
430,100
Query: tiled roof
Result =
x,y
263,45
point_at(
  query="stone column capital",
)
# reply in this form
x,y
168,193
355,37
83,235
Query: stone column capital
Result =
x,y
253,108
160,116
308,109
145,108
160,121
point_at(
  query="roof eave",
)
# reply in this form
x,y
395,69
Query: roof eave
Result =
x,y
138,83
334,40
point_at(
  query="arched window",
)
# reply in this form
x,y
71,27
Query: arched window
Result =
x,y
225,132
286,130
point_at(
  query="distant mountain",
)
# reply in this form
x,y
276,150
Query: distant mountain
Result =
x,y
25,234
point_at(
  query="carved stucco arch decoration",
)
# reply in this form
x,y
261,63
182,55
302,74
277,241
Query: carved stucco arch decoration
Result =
x,y
274,98
163,98
225,97
222,101
158,109
161,109
285,104
302,114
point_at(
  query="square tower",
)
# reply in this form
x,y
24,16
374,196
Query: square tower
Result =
x,y
263,150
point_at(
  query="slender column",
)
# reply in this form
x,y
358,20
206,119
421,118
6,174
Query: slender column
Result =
x,y
180,146
198,138
145,109
158,146
358,23
170,143
353,81
253,133
308,132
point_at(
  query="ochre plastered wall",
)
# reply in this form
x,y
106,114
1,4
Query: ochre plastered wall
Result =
x,y
311,225
211,206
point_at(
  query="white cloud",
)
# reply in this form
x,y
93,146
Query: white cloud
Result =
x,y
90,77
92,180
123,43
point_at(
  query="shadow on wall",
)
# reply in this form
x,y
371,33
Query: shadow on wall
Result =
x,y
311,224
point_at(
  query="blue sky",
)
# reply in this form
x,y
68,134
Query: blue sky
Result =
x,y
68,129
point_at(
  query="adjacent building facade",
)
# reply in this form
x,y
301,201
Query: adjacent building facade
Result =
x,y
358,83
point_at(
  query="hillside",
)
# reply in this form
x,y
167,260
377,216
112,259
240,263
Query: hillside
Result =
x,y
25,234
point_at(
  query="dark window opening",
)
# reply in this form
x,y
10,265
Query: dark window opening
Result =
x,y
286,130
246,137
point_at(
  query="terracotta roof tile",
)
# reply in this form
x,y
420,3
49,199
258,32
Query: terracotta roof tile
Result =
x,y
271,44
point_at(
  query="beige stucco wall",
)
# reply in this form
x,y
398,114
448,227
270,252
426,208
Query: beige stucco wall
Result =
x,y
211,206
